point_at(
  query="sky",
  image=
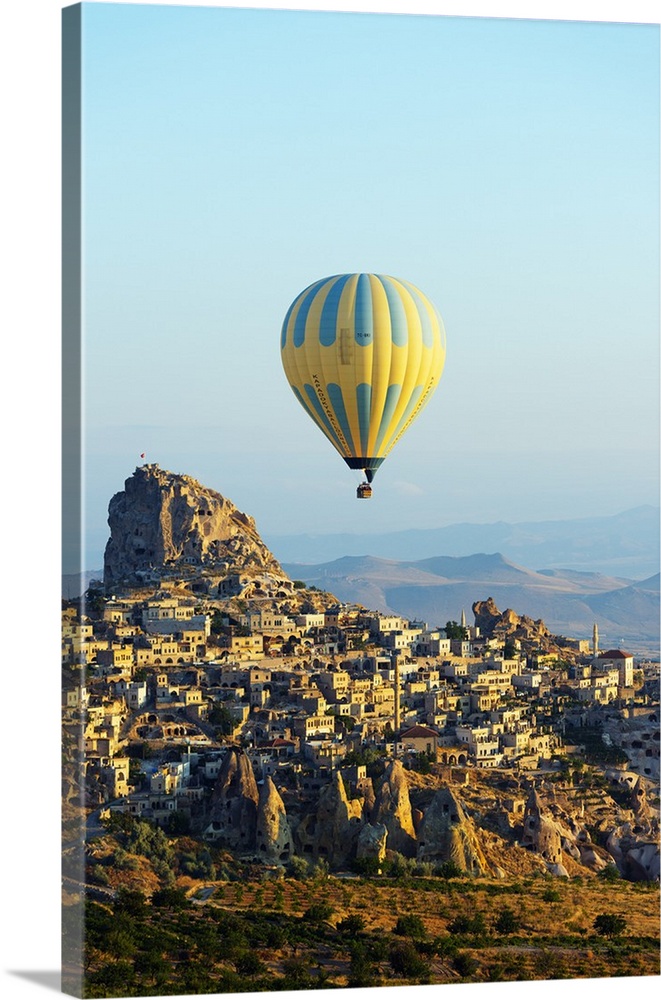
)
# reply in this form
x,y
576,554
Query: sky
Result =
x,y
29,501
509,168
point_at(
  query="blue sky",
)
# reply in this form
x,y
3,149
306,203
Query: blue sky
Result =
x,y
509,168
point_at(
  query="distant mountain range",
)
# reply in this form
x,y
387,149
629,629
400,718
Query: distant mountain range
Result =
x,y
623,545
601,569
436,590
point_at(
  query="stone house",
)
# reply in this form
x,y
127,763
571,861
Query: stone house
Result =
x,y
116,774
244,647
313,725
334,684
483,745
133,692
619,660
421,739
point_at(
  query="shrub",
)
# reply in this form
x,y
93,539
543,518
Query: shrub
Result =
x,y
410,925
130,901
465,964
248,964
299,868
449,869
610,924
318,913
507,922
171,899
551,896
406,961
362,971
610,873
353,924
467,925
367,866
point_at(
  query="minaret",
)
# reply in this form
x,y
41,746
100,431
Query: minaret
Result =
x,y
463,618
595,641
397,686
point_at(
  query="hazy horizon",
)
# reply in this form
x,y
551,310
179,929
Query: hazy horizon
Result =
x,y
271,539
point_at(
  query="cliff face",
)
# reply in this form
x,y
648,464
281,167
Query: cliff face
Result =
x,y
163,521
392,809
447,834
274,839
332,830
491,621
234,802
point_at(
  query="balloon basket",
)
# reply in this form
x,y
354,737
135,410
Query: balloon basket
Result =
x,y
364,491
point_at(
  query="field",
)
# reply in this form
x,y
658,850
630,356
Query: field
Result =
x,y
323,931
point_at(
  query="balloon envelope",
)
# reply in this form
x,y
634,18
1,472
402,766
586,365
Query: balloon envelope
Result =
x,y
363,354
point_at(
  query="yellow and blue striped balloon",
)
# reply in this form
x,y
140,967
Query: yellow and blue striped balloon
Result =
x,y
363,354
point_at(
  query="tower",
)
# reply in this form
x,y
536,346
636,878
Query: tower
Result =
x,y
463,618
397,693
595,640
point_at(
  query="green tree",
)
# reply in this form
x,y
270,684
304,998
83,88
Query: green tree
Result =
x,y
114,979
610,873
93,602
455,631
463,924
362,970
407,963
422,762
353,924
449,869
151,964
247,963
130,901
368,866
170,899
221,717
507,922
318,913
610,924
410,925
217,623
465,964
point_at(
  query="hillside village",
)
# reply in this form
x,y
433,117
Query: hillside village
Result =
x,y
206,692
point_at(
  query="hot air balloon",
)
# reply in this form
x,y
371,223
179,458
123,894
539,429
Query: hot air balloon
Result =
x,y
363,354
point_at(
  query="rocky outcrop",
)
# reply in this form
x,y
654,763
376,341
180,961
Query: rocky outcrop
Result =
x,y
272,834
392,809
331,831
372,842
166,523
447,834
540,832
640,806
636,857
641,863
492,622
234,803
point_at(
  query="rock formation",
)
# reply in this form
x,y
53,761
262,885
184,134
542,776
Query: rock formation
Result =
x,y
640,806
492,622
393,809
635,851
162,522
234,802
372,841
540,833
331,832
273,836
447,834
